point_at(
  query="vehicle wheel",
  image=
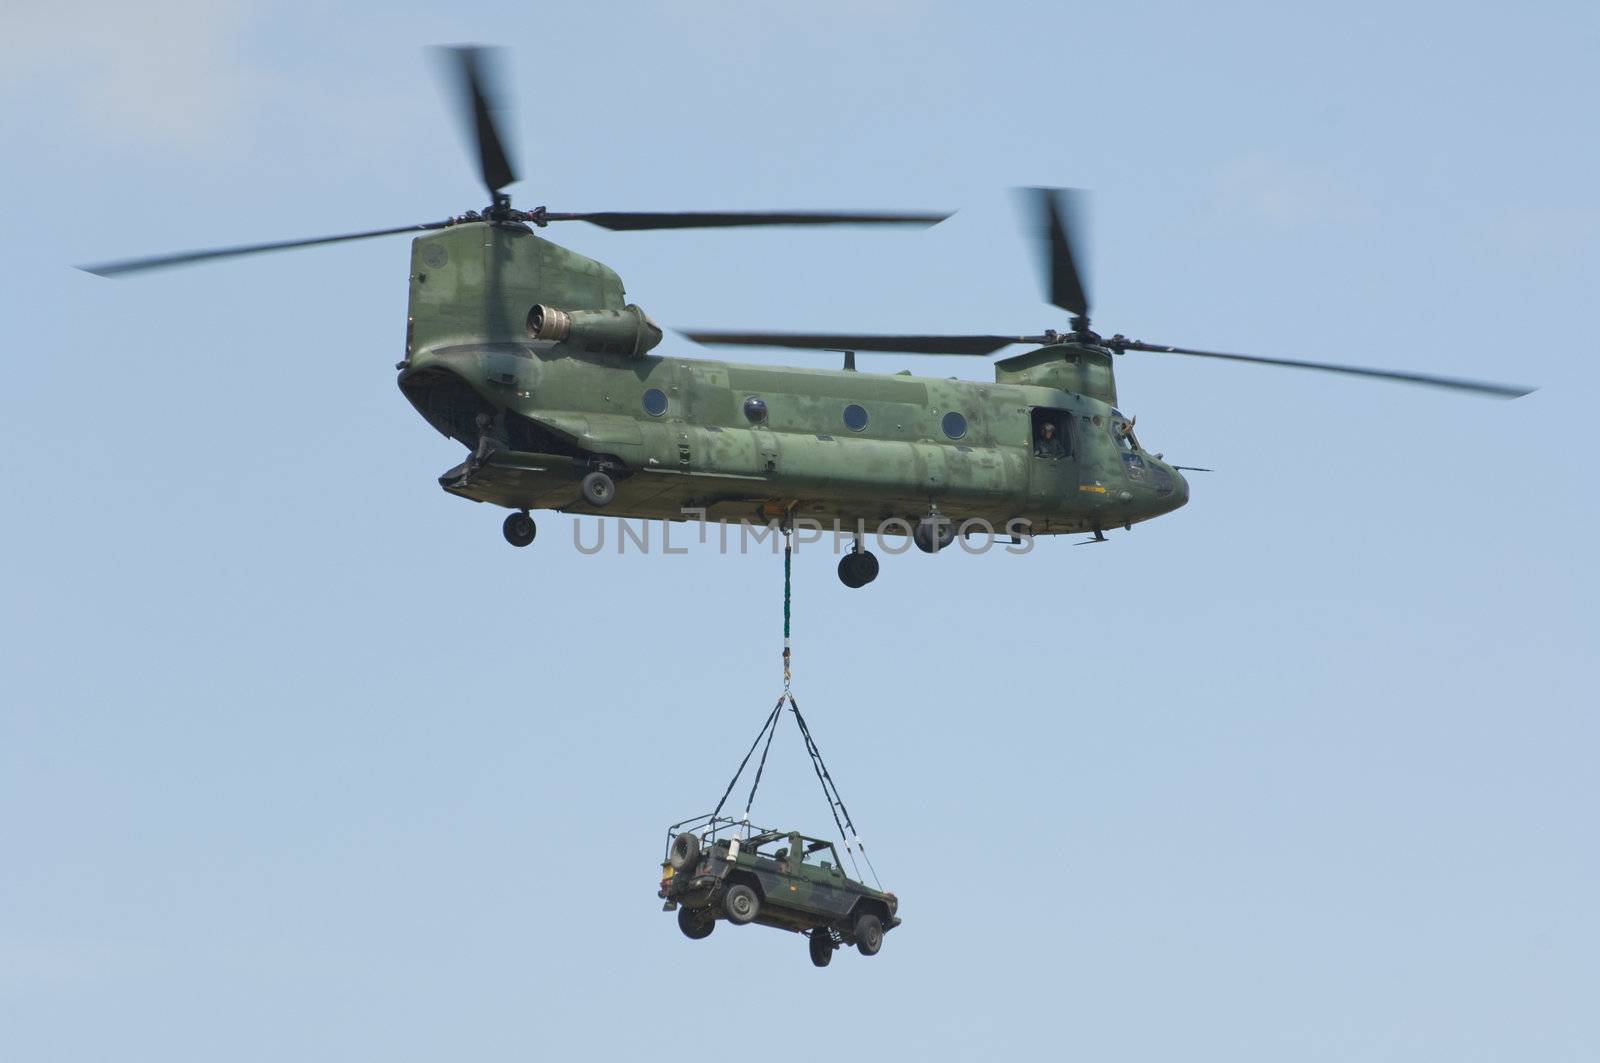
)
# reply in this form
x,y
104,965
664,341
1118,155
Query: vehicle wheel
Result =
x,y
599,489
741,904
821,947
932,536
519,529
869,934
696,923
684,852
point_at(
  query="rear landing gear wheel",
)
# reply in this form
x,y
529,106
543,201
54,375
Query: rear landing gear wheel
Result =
x,y
696,923
821,947
858,569
933,533
599,489
519,529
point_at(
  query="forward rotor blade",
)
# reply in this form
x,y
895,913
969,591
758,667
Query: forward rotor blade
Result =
x,y
184,258
828,341
632,221
473,76
1055,212
1481,387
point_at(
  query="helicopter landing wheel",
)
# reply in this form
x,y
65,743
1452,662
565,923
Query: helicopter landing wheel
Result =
x,y
858,568
599,489
933,533
519,529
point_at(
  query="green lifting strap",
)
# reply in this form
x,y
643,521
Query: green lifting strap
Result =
x,y
788,583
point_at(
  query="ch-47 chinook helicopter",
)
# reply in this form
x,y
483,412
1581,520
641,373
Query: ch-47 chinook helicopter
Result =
x,y
529,355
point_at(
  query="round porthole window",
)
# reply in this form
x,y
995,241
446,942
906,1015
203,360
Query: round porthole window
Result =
x,y
755,410
855,417
955,425
655,402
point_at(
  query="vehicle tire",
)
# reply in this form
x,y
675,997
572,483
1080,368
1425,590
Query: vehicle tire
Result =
x,y
931,536
741,904
684,852
821,947
869,934
696,923
599,489
519,529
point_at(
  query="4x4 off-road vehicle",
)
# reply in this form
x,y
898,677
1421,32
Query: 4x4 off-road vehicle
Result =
x,y
775,878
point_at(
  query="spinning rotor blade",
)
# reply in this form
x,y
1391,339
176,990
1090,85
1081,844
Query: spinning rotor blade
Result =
x,y
1054,211
472,63
633,221
184,258
1481,387
974,345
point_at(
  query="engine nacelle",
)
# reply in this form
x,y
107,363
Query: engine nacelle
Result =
x,y
628,332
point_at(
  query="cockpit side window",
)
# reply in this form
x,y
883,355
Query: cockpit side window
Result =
x,y
1122,432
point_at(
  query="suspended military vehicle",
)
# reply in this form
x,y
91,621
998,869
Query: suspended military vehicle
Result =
x,y
781,879
530,356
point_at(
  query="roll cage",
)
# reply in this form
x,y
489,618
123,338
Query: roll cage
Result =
x,y
721,830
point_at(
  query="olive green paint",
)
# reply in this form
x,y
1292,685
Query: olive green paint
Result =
x,y
552,409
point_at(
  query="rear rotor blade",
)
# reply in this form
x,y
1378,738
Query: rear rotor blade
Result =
x,y
473,75
633,221
1481,387
184,258
1055,211
830,341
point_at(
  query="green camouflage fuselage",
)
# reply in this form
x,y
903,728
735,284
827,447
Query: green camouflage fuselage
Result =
x,y
681,434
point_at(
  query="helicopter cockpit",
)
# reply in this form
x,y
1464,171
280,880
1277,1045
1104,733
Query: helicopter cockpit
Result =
x,y
1122,431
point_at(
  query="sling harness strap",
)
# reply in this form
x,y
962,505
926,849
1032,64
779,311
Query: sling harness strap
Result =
x,y
772,723
769,729
830,791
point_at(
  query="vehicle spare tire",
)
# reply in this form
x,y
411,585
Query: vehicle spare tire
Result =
x,y
684,852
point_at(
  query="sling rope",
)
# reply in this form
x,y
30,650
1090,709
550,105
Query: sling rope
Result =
x,y
769,729
831,792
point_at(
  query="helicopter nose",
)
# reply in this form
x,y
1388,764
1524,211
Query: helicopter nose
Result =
x,y
1178,496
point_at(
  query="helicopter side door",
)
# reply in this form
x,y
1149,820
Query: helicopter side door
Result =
x,y
1052,460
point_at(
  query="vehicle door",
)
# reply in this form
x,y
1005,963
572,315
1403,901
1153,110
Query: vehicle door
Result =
x,y
827,891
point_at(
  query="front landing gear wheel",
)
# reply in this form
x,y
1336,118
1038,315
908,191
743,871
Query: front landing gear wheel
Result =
x,y
821,947
519,529
858,569
696,923
599,489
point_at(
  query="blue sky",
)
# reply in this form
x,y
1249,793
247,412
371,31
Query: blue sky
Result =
x,y
299,760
